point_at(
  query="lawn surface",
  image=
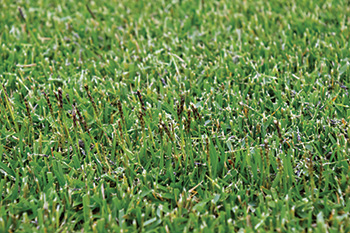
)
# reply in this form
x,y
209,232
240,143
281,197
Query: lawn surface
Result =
x,y
174,116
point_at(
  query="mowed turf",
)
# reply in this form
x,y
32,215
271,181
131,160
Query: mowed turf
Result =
x,y
174,116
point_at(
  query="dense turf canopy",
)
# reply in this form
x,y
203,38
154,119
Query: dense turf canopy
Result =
x,y
174,116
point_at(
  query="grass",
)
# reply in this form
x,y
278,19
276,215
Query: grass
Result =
x,y
174,116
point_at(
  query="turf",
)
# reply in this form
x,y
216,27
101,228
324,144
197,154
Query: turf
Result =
x,y
174,116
